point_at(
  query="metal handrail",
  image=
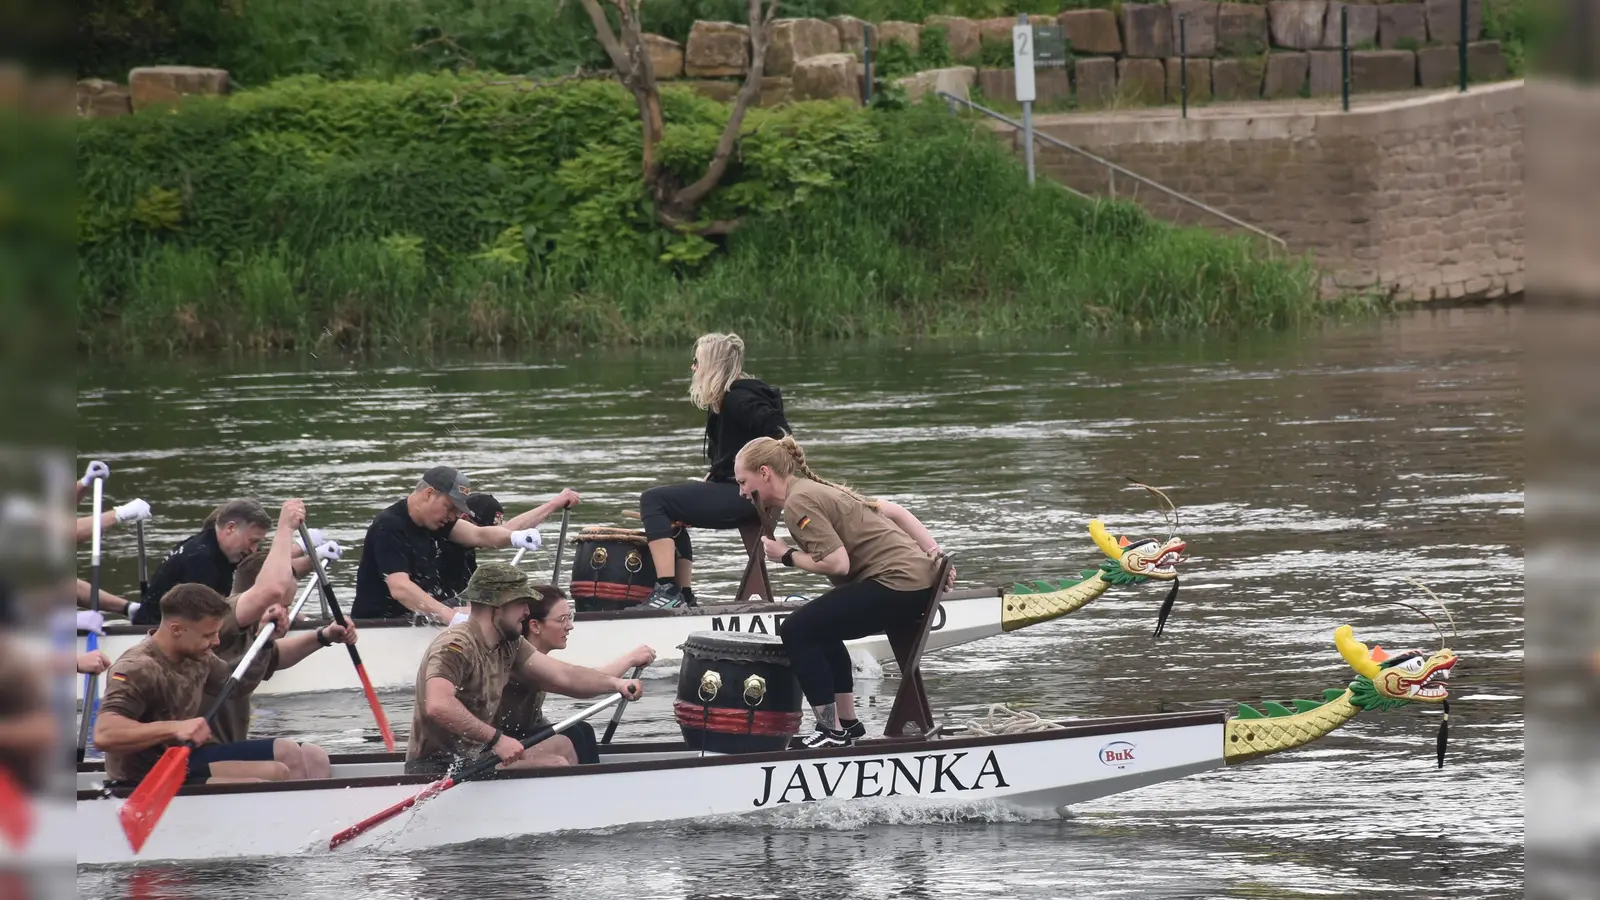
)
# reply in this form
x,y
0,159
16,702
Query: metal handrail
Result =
x,y
951,99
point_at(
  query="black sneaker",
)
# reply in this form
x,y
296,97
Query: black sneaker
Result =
x,y
665,596
822,737
688,597
855,730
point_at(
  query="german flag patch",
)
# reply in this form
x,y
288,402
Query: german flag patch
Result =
x,y
118,676
457,648
804,521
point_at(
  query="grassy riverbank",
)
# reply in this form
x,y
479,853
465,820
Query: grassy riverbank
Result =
x,y
435,209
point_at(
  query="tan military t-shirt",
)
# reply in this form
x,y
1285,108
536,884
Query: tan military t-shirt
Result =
x,y
822,519
145,686
480,672
233,719
521,708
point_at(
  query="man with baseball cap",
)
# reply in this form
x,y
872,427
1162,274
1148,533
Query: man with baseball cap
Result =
x,y
399,571
457,563
466,669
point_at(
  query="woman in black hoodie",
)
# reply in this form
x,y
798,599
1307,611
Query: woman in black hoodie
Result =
x,y
739,409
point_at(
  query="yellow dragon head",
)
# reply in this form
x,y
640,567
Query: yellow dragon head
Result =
x,y
1386,680
1136,561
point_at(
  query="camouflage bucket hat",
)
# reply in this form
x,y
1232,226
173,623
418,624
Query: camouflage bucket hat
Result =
x,y
496,584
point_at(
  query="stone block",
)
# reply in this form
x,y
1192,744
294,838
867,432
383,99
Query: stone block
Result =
x,y
996,30
1142,80
101,99
720,91
1297,24
1242,29
1052,84
1199,79
1438,67
1444,20
717,50
776,90
1486,62
961,32
827,77
998,84
1363,24
1091,30
1285,75
1402,24
1147,31
666,56
797,39
1327,75
908,33
1199,36
1236,79
1096,80
957,80
153,85
1383,70
852,34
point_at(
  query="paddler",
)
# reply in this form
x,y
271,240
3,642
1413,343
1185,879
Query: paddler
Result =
x,y
521,709
465,671
155,690
738,408
263,589
457,563
878,556
233,531
399,573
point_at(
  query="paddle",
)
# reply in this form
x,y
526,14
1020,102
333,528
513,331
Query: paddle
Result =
x,y
144,571
616,717
561,542
91,682
355,655
149,801
476,769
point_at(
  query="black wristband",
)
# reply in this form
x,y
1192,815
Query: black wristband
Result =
x,y
494,739
322,639
788,558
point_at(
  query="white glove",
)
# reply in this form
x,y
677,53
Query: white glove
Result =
x,y
97,469
133,511
316,539
328,551
89,620
526,539
459,618
133,609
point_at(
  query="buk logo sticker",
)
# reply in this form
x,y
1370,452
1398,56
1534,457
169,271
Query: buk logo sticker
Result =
x,y
1117,755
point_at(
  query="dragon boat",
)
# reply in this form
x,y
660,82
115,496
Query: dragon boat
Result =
x,y
1040,771
392,648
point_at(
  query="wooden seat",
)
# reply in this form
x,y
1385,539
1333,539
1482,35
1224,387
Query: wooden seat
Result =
x,y
911,718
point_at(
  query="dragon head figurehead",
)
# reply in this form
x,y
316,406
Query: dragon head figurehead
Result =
x,y
1385,680
1135,562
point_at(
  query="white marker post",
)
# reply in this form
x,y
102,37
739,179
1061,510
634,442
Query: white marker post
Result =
x,y
1022,57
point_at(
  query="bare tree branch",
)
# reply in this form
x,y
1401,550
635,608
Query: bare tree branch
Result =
x,y
760,32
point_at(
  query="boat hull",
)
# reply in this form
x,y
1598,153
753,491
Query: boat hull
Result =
x,y
1038,772
391,650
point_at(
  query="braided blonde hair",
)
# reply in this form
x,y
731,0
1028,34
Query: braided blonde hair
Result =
x,y
721,363
784,457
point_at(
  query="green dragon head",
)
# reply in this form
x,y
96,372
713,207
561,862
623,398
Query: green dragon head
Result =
x,y
1135,562
1386,680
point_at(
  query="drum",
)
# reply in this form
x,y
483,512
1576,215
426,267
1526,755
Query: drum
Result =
x,y
611,569
736,693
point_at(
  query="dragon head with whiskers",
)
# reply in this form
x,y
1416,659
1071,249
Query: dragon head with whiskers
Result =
x,y
1134,562
1385,680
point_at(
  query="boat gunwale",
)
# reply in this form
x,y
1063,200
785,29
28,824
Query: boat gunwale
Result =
x,y
127,629
873,747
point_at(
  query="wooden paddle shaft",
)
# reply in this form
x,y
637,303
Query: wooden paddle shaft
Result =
x,y
616,717
91,682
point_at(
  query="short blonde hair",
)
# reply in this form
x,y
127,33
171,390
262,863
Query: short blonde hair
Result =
x,y
720,359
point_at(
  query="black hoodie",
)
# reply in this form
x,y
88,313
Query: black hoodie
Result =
x,y
750,409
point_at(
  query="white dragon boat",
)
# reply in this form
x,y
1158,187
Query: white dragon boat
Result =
x,y
1044,770
392,648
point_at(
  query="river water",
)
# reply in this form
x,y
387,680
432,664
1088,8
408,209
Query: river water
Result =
x,y
1313,473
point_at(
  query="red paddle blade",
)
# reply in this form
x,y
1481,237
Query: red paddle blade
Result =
x,y
16,811
377,708
370,822
144,809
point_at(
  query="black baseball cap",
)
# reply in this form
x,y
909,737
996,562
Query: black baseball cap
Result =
x,y
484,508
448,481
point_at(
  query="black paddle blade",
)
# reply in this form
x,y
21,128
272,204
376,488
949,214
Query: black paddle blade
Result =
x,y
1444,734
1166,607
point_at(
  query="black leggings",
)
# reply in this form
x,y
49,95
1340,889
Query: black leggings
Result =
x,y
701,504
814,635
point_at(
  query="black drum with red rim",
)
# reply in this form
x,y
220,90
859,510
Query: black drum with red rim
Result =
x,y
736,693
611,569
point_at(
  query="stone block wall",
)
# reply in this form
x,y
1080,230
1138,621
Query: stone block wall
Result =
x,y
1420,197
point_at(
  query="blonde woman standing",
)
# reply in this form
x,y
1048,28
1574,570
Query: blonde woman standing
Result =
x,y
738,409
879,557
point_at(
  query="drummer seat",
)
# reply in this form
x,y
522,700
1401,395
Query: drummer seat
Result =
x,y
755,581
911,718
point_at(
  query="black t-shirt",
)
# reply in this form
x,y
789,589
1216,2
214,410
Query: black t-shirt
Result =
x,y
198,560
394,543
456,565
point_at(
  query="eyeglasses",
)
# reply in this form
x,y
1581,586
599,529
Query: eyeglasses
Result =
x,y
564,620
